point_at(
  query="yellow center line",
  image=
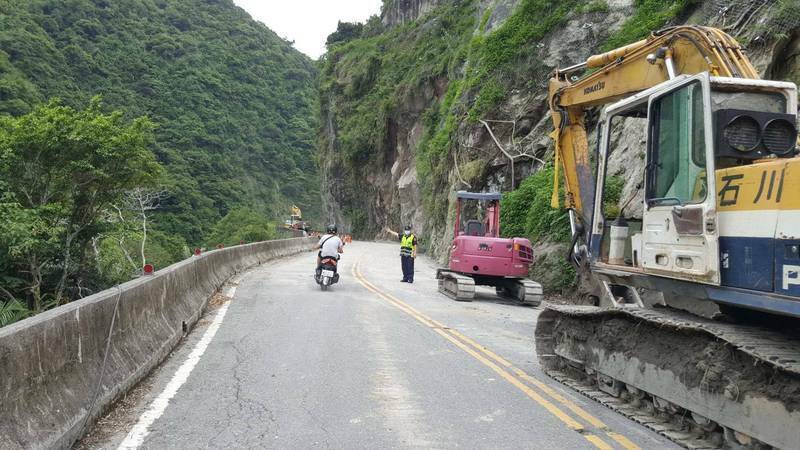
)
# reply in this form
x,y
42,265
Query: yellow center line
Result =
x,y
580,412
622,440
599,443
569,421
594,421
483,349
408,310
453,336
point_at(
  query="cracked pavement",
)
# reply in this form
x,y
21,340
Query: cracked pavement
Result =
x,y
294,367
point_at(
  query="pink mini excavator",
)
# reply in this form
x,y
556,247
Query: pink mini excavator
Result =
x,y
480,256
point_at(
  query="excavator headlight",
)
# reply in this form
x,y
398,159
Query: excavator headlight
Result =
x,y
742,133
779,136
752,135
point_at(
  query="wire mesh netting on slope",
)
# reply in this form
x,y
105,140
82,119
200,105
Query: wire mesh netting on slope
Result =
x,y
752,20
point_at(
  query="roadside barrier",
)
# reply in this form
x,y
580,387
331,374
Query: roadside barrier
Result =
x,y
62,369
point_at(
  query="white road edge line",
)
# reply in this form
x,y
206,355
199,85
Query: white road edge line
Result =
x,y
142,428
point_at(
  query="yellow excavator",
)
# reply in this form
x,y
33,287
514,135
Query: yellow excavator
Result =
x,y
694,282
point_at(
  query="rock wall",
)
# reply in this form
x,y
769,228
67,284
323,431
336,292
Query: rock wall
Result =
x,y
395,193
399,12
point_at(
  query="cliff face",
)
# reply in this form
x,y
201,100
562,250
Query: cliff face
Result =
x,y
399,12
453,95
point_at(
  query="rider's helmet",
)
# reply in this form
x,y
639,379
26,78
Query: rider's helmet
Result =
x,y
331,229
407,228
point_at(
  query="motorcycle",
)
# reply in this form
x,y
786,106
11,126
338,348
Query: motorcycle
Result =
x,y
326,274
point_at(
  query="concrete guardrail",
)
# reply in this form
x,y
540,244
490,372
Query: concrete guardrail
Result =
x,y
62,369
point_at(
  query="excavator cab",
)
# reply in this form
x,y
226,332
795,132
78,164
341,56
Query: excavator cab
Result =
x,y
692,203
729,229
477,214
667,235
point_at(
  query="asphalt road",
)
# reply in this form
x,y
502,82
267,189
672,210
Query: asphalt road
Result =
x,y
372,362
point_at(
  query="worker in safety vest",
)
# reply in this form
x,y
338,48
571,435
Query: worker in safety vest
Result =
x,y
408,252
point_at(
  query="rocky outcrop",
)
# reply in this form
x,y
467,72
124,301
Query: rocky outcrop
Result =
x,y
395,193
399,12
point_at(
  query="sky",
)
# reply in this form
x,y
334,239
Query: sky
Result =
x,y
308,22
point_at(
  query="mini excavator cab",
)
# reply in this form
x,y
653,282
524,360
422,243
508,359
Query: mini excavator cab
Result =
x,y
477,214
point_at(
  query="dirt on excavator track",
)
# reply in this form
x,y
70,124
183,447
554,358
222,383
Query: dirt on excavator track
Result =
x,y
706,382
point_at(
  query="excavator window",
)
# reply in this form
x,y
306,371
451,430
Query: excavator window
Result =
x,y
677,148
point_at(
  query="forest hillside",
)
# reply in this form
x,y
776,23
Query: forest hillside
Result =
x,y
216,110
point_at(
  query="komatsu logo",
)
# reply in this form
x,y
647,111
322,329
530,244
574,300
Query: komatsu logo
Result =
x,y
594,88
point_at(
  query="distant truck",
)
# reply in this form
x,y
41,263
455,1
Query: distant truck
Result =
x,y
295,223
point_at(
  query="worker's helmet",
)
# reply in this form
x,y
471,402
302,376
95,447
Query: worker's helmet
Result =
x,y
331,229
407,228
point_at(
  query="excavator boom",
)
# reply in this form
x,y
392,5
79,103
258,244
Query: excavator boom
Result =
x,y
620,73
714,234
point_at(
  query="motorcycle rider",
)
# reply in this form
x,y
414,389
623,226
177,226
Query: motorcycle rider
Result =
x,y
330,246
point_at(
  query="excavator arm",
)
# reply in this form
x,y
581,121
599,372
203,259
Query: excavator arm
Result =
x,y
703,242
618,74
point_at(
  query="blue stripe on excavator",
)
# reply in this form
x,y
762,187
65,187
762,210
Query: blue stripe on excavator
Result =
x,y
755,300
784,265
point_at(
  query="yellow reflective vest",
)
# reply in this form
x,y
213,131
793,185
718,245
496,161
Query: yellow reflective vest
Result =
x,y
407,245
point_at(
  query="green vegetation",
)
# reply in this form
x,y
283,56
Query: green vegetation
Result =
x,y
365,83
12,311
526,212
495,59
530,22
207,118
64,171
242,225
782,22
345,31
596,6
611,195
649,16
232,102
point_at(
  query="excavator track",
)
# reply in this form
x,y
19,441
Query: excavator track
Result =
x,y
702,383
456,286
527,291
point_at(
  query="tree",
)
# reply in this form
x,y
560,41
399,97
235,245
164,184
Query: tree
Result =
x,y
234,102
142,201
242,224
345,31
63,168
